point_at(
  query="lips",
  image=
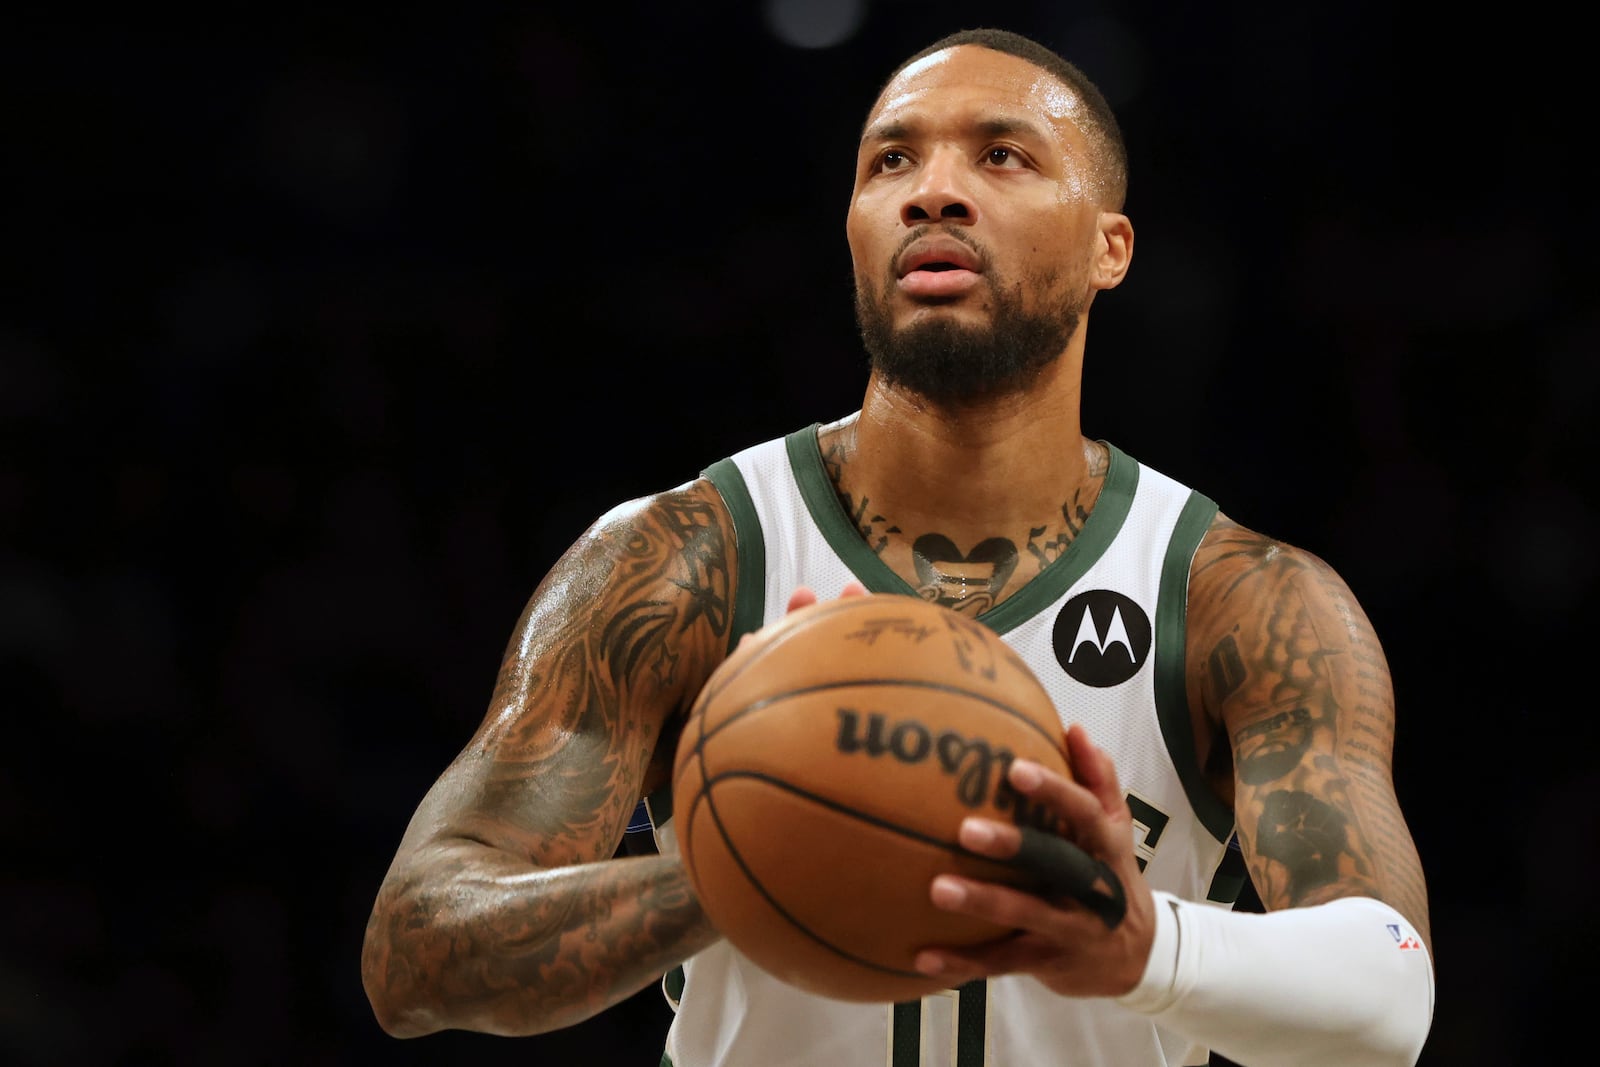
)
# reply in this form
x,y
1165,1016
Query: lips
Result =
x,y
938,270
937,254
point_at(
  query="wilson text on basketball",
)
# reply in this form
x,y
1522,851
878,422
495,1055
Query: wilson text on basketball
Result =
x,y
977,770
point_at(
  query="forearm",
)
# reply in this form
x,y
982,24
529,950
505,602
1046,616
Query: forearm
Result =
x,y
1339,983
480,941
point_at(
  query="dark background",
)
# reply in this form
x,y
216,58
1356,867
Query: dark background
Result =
x,y
325,333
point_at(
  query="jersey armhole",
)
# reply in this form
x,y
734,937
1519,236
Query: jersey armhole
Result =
x,y
1172,697
750,582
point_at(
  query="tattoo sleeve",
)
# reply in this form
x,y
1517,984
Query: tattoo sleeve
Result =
x,y
504,910
1296,673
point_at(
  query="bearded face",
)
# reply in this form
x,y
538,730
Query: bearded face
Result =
x,y
951,362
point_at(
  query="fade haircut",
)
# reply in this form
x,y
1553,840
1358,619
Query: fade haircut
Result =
x,y
1098,122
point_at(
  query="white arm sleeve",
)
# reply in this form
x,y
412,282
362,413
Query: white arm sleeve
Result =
x,y
1336,984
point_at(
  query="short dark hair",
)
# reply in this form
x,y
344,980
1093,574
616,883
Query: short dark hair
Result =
x,y
1100,123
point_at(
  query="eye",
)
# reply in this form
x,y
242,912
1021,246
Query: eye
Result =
x,y
893,159
1000,156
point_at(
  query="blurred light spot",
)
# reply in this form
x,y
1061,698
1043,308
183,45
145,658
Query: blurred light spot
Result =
x,y
814,23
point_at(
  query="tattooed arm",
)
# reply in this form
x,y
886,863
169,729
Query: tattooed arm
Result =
x,y
504,910
1291,675
1293,695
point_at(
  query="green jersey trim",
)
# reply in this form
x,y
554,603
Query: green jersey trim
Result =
x,y
750,583
822,500
750,593
1172,698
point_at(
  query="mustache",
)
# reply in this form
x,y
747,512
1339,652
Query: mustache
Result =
x,y
954,233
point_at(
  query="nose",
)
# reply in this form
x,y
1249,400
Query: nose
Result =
x,y
940,192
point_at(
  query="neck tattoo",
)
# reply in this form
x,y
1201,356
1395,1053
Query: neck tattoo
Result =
x,y
970,582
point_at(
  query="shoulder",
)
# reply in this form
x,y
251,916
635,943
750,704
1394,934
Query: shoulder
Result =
x,y
1230,553
697,500
1241,574
649,585
664,547
1229,548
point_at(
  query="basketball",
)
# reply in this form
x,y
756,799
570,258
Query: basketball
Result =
x,y
822,775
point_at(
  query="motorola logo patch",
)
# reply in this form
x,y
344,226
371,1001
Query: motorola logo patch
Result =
x,y
1101,638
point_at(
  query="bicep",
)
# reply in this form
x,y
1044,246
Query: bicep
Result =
x,y
1301,687
608,652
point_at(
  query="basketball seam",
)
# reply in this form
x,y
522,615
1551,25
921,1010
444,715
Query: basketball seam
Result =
x,y
902,683
757,884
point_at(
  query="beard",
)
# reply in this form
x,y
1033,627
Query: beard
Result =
x,y
951,364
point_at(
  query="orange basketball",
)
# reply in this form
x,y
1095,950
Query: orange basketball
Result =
x,y
823,773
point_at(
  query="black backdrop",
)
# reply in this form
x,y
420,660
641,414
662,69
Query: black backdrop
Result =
x,y
324,333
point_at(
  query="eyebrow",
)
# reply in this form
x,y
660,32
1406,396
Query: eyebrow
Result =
x,y
995,127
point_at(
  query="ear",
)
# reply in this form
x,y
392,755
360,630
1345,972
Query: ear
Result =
x,y
1114,252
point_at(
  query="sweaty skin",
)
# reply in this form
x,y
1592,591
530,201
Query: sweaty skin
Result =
x,y
504,911
982,201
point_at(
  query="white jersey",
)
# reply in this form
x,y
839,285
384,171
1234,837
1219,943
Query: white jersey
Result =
x,y
1103,628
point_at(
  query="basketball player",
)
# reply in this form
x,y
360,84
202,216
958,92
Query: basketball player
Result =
x,y
1232,711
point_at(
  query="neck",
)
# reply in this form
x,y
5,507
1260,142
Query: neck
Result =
x,y
976,498
1013,458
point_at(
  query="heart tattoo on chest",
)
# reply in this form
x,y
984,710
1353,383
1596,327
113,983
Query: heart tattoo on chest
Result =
x,y
972,581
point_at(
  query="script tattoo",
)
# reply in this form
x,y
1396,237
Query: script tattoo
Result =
x,y
837,449
1074,513
874,528
706,562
